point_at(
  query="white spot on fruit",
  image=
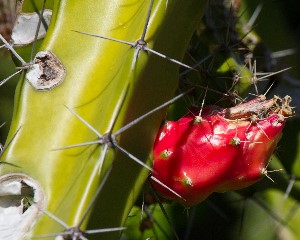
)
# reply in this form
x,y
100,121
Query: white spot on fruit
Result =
x,y
166,153
187,180
235,141
162,135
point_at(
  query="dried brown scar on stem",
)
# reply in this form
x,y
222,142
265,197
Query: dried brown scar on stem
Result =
x,y
17,214
259,107
26,25
46,72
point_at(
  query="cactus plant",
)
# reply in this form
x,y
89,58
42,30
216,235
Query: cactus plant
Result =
x,y
94,88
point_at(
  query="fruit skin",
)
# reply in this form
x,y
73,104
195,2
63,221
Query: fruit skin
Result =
x,y
198,155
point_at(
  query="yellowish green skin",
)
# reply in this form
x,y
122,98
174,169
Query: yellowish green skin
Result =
x,y
107,86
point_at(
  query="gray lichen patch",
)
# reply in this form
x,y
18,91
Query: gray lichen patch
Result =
x,y
26,25
21,201
46,71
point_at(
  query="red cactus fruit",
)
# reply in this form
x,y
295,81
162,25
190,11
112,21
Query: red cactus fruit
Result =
x,y
222,150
